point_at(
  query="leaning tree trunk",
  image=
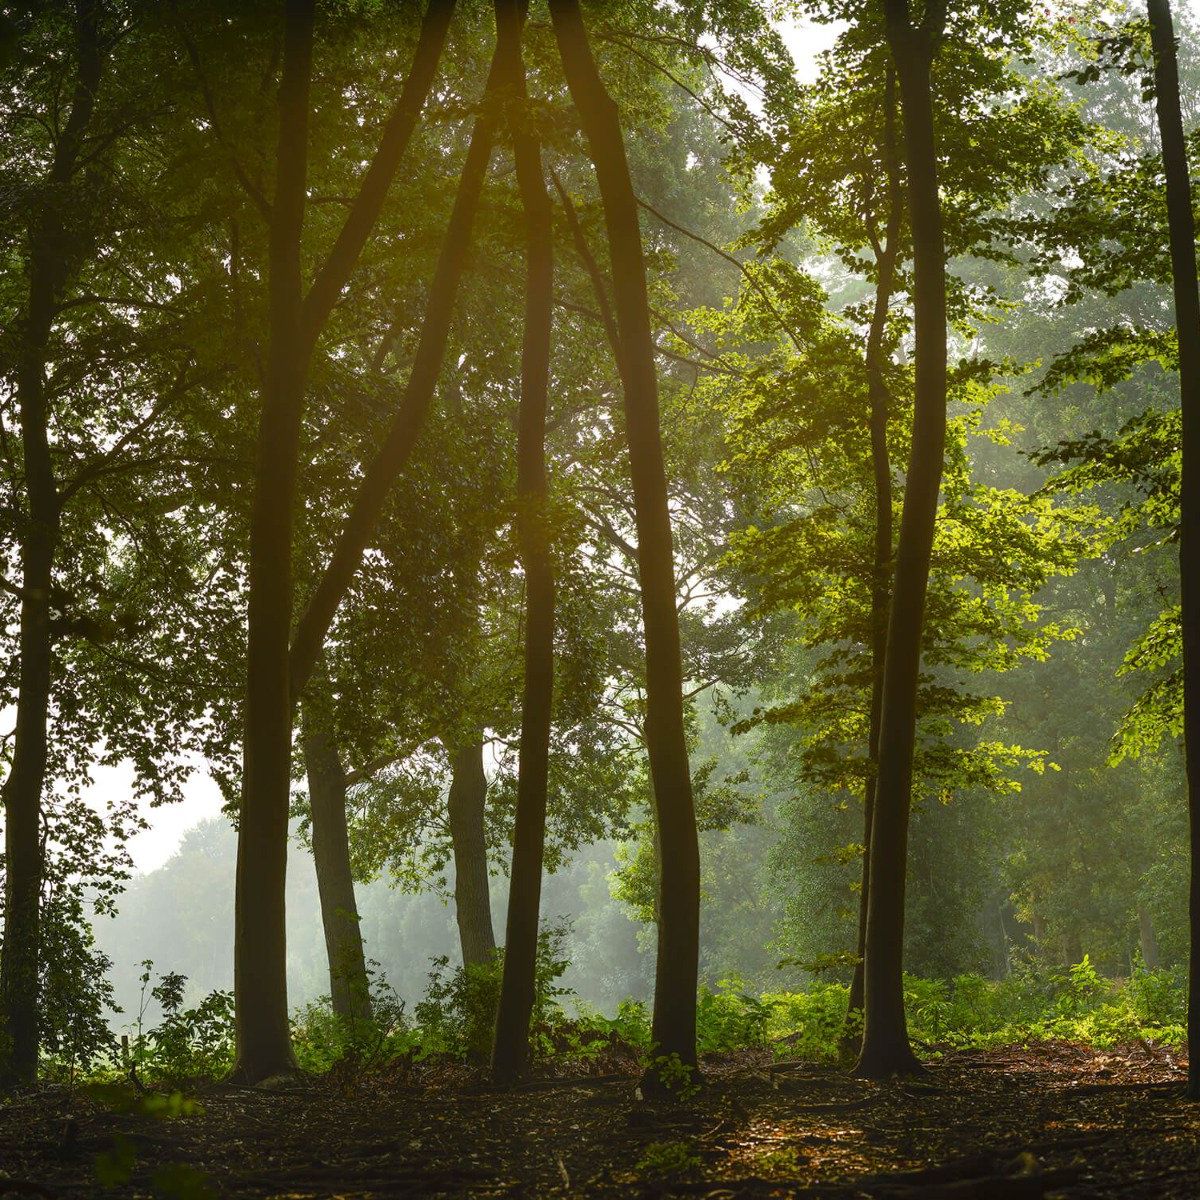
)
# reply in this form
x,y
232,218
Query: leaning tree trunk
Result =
x,y
881,566
674,1025
467,810
886,1050
295,322
39,539
372,493
349,985
1182,230
510,1049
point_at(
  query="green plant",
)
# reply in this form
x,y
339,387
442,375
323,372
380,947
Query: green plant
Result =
x,y
189,1043
675,1076
666,1160
731,1018
324,1041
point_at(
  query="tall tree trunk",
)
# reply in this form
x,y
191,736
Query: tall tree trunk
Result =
x,y
674,1025
885,1049
510,1050
1187,323
294,324
260,946
349,986
881,566
467,808
40,533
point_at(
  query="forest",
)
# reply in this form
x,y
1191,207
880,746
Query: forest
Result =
x,y
639,563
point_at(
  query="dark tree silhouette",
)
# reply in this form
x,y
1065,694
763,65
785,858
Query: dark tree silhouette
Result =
x,y
510,1051
1182,230
885,1048
674,1023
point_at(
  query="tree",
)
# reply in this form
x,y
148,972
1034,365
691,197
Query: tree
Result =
x,y
1182,232
674,1026
349,984
48,270
511,1045
885,1048
296,319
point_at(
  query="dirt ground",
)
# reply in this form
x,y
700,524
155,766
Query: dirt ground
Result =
x,y
1053,1120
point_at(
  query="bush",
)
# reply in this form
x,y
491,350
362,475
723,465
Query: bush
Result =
x,y
190,1043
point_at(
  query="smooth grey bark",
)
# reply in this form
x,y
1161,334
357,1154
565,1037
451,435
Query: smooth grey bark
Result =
x,y
467,809
1147,941
886,251
349,984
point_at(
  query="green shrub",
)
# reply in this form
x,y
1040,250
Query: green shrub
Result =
x,y
730,1018
668,1160
189,1043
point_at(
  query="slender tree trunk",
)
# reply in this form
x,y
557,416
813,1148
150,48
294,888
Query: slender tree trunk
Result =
x,y
1187,323
294,324
674,1024
467,805
1146,939
40,533
885,1049
349,986
881,566
510,1050
260,945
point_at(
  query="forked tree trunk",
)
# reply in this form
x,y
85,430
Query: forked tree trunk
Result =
x,y
881,566
510,1050
349,985
674,1024
467,811
401,438
39,540
260,945
886,1050
295,322
1182,229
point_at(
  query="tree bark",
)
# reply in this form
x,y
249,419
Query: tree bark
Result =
x,y
886,1050
1146,939
294,323
467,807
23,789
881,566
260,949
349,985
510,1050
674,1023
1182,229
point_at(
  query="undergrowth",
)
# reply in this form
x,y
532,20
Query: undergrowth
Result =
x,y
452,1024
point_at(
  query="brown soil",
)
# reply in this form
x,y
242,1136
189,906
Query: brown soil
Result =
x,y
1051,1120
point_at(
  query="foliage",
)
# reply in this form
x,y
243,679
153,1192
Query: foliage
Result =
x,y
190,1042
668,1160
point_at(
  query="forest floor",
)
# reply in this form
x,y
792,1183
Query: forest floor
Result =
x,y
1055,1119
